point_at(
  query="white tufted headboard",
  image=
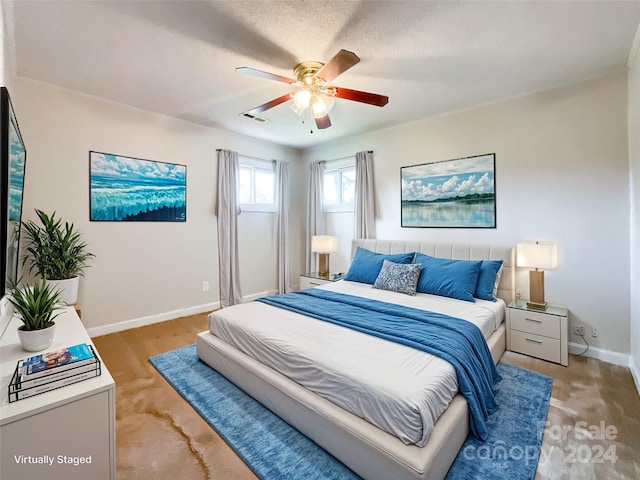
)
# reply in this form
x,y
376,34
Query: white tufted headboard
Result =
x,y
457,251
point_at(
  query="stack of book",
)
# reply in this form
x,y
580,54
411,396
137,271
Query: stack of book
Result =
x,y
52,370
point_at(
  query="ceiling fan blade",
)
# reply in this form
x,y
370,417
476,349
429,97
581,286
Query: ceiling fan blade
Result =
x,y
267,75
266,106
362,97
323,122
340,63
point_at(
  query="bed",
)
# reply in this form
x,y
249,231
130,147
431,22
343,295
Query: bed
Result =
x,y
367,441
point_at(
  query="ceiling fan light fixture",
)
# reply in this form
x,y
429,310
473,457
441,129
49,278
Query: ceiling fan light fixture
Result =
x,y
311,88
301,96
322,104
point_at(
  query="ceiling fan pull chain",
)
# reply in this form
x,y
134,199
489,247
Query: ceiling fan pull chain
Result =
x,y
304,112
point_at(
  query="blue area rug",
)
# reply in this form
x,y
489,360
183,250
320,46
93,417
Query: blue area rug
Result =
x,y
274,450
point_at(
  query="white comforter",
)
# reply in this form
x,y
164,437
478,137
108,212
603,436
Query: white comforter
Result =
x,y
401,390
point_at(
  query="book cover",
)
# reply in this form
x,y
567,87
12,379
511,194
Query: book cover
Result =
x,y
47,387
56,361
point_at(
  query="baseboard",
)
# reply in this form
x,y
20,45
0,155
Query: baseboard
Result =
x,y
157,318
635,372
255,296
163,317
616,358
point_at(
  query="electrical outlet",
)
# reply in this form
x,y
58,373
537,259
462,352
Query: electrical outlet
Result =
x,y
205,286
594,332
578,329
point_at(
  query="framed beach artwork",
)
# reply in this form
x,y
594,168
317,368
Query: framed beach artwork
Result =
x,y
459,193
13,156
125,189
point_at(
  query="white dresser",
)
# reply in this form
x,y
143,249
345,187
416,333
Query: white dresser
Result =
x,y
71,429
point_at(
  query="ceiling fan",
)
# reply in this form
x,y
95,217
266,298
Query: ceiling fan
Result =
x,y
311,90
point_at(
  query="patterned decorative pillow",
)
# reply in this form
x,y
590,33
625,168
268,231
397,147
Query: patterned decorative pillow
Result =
x,y
397,277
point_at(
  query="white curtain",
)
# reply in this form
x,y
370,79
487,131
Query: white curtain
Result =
x,y
282,233
365,206
315,216
228,211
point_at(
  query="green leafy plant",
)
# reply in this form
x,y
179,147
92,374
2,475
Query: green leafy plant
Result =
x,y
55,251
36,305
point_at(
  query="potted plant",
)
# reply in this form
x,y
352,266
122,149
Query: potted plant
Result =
x,y
36,306
56,252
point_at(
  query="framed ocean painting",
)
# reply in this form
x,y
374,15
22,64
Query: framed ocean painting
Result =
x,y
13,156
125,189
459,193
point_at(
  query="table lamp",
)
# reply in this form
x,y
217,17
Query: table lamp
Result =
x,y
541,256
323,245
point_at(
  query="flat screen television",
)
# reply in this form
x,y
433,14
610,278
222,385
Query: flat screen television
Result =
x,y
13,156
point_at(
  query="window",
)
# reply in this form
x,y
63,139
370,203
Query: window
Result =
x,y
339,187
256,185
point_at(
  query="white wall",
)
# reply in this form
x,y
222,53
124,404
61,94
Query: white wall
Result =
x,y
3,45
634,170
145,271
561,175
6,32
8,63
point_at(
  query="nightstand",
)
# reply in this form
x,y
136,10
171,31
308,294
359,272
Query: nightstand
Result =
x,y
313,279
539,333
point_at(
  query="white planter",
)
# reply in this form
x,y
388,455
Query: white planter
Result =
x,y
68,287
36,340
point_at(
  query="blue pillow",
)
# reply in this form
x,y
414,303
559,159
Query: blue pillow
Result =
x,y
488,279
448,278
366,264
398,277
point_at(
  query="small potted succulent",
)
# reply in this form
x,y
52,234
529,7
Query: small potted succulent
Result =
x,y
56,252
36,306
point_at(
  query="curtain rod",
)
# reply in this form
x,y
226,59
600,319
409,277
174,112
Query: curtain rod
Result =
x,y
265,160
248,156
344,158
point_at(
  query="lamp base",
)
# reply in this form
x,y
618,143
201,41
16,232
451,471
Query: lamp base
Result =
x,y
536,290
537,306
323,264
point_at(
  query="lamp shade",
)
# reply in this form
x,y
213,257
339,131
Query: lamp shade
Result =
x,y
538,255
324,243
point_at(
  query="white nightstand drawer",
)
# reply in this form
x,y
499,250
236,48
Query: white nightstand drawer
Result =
x,y
536,346
535,322
314,279
306,282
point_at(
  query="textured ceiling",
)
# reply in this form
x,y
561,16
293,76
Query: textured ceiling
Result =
x,y
178,58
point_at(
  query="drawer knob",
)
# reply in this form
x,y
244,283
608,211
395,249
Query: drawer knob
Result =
x,y
531,340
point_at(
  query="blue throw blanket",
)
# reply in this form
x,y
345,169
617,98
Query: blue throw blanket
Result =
x,y
457,341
